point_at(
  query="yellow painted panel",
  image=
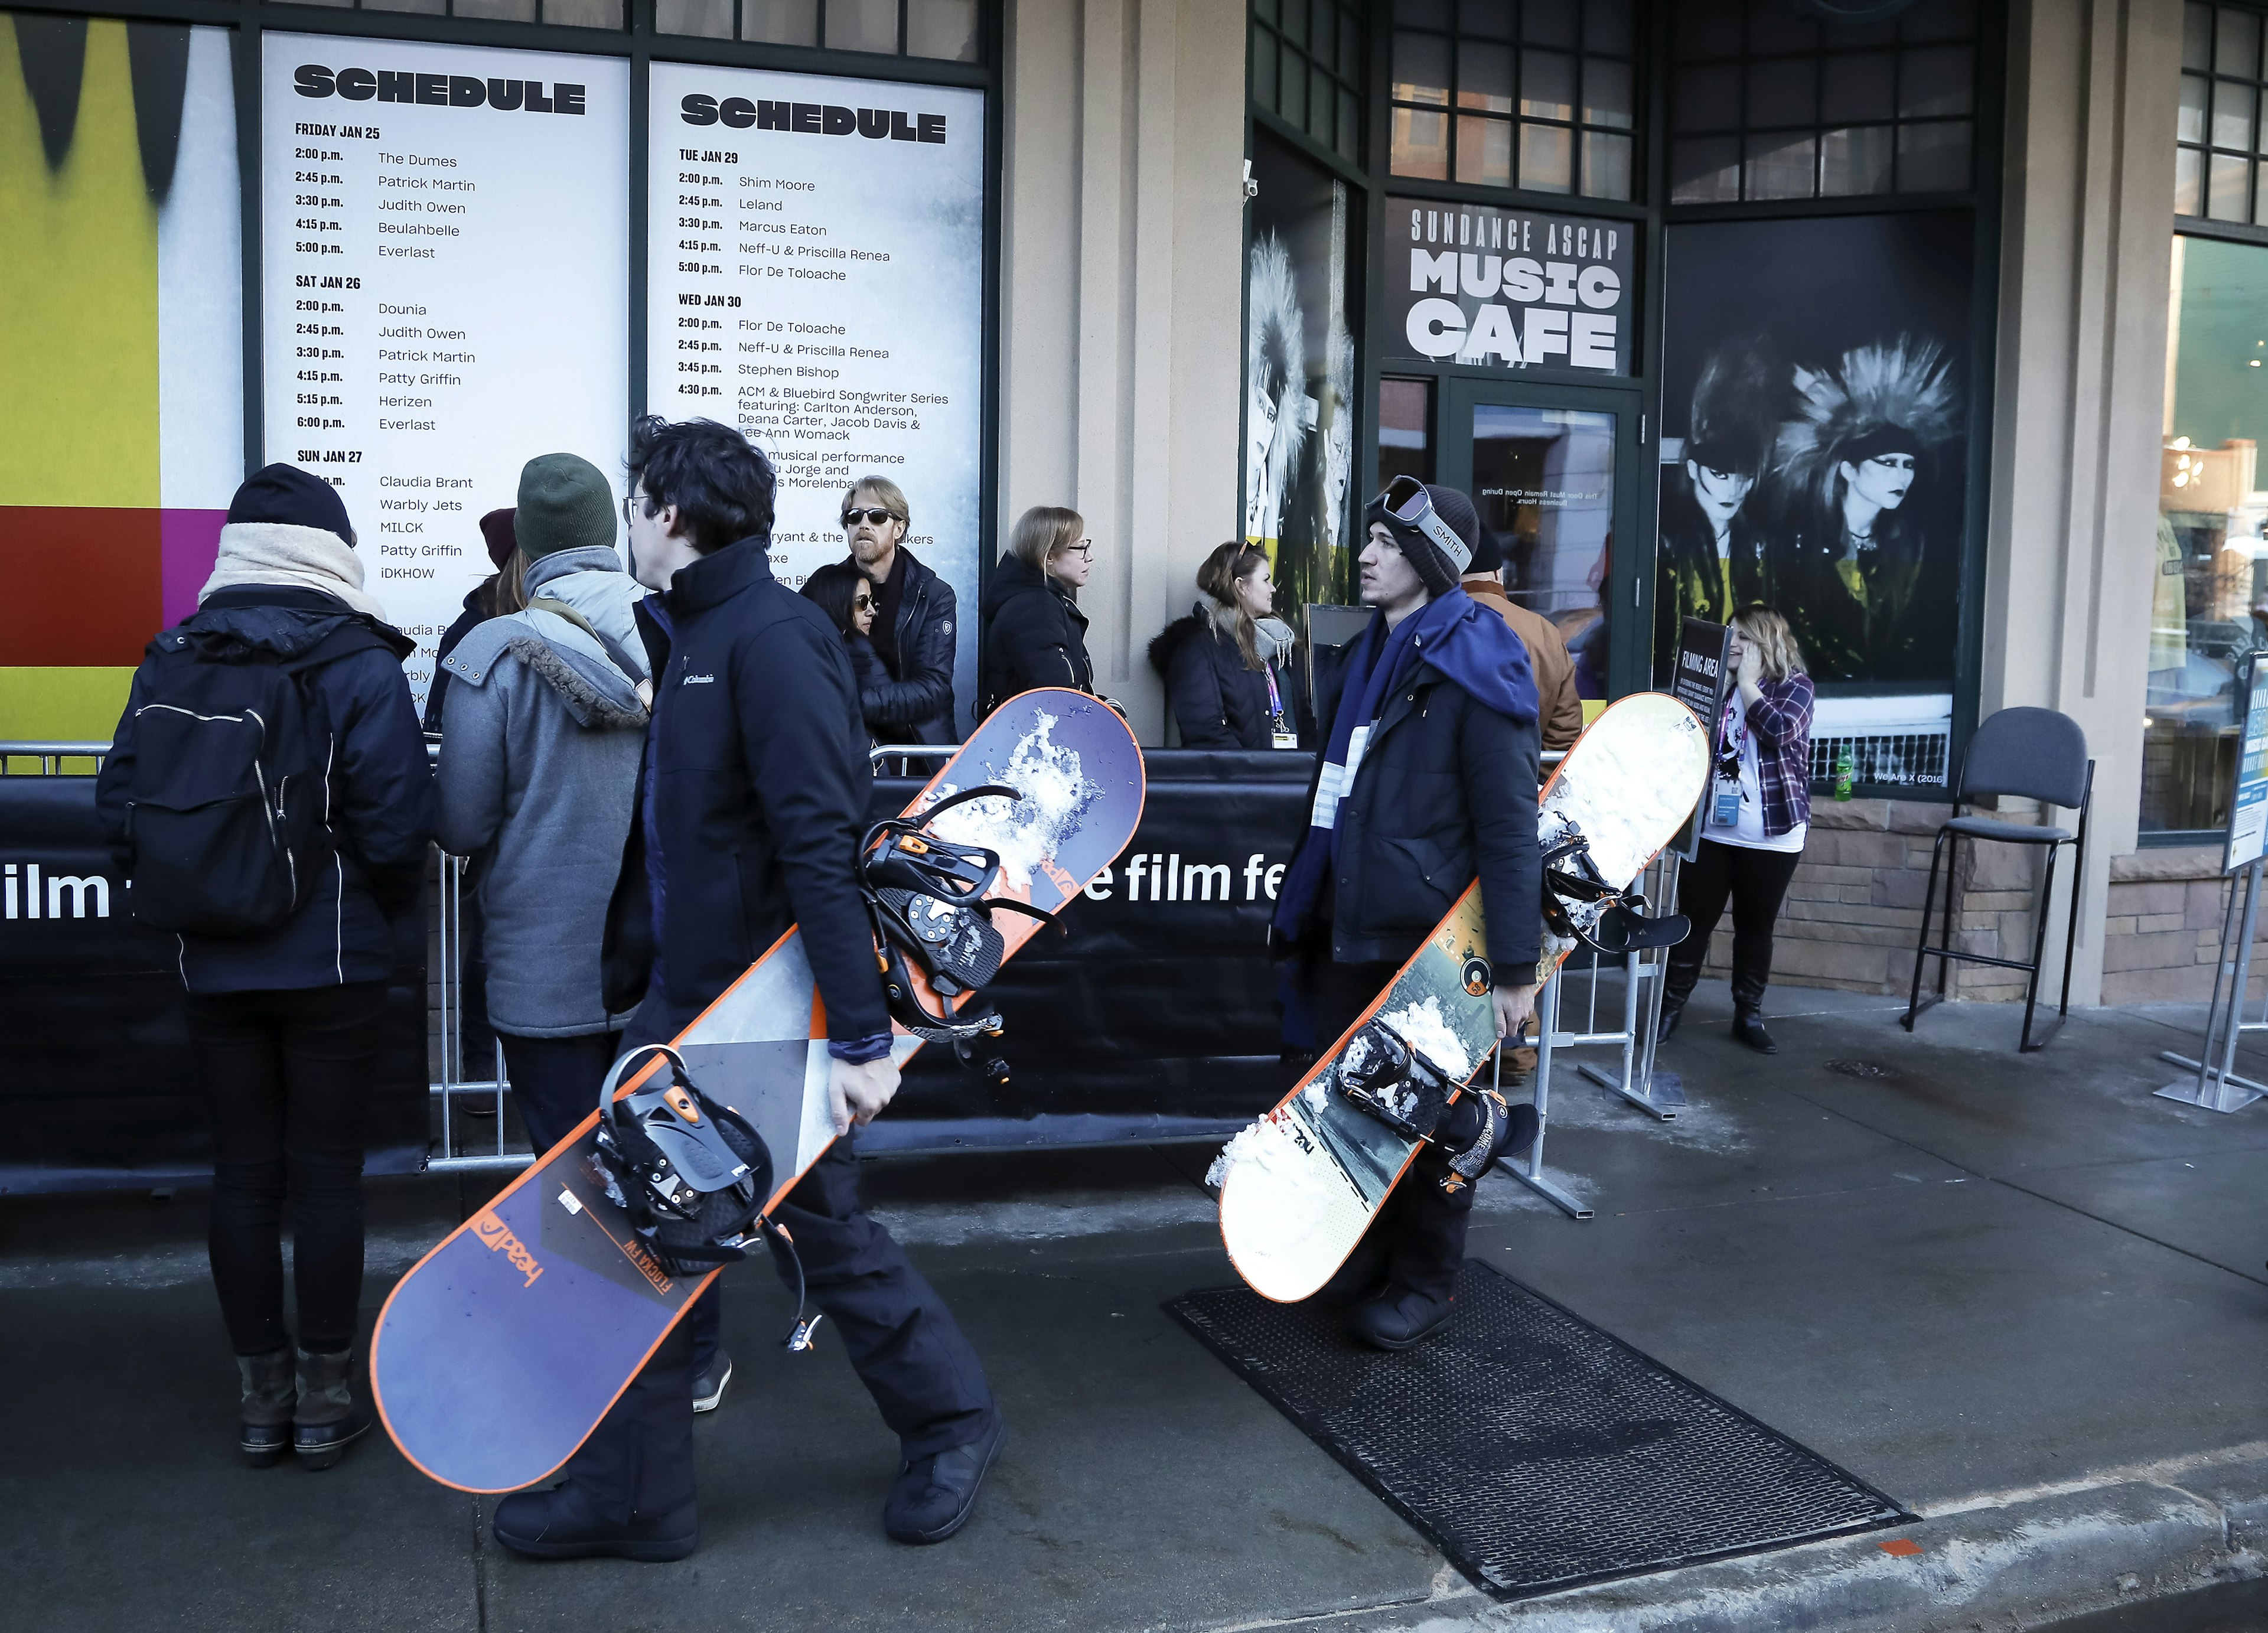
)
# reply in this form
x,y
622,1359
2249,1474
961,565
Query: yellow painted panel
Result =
x,y
79,294
71,705
1592,708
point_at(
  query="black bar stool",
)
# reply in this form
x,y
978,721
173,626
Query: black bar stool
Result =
x,y
2033,754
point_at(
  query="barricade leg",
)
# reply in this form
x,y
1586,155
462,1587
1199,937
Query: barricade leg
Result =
x,y
2216,1086
1530,1173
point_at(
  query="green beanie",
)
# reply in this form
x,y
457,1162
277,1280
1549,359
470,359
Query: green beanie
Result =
x,y
564,505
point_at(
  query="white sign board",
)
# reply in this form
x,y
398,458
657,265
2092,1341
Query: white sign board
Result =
x,y
815,274
446,266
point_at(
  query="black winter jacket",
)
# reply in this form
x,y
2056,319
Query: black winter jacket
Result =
x,y
1216,702
365,914
756,759
916,707
1034,634
1445,791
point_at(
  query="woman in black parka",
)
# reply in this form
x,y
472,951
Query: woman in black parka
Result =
x,y
1034,634
1223,663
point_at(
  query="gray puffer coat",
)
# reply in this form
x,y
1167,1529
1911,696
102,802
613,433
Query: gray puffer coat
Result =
x,y
540,750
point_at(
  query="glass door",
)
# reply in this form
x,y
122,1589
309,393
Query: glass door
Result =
x,y
1552,470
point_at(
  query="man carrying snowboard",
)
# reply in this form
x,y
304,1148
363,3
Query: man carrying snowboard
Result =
x,y
1429,778
751,804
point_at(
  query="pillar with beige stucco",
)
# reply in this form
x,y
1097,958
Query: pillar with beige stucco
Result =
x,y
2093,87
1120,302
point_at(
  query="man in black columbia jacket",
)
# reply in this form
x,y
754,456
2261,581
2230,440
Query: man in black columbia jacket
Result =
x,y
752,801
914,620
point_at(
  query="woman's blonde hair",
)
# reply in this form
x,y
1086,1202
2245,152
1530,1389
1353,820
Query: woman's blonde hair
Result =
x,y
509,593
1777,653
1042,531
1228,566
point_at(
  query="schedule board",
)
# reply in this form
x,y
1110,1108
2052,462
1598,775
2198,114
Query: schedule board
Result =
x,y
446,291
815,270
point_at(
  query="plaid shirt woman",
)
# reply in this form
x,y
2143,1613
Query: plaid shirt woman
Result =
x,y
1758,813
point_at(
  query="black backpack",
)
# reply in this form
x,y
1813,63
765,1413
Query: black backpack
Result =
x,y
228,814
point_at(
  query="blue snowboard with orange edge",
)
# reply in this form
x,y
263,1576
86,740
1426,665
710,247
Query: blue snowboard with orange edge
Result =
x,y
499,1352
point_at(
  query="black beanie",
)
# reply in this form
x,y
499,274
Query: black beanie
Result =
x,y
1435,570
288,497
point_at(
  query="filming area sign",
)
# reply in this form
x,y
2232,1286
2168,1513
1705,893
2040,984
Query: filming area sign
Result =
x,y
1507,289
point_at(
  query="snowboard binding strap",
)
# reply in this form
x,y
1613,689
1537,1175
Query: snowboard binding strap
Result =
x,y
1581,904
692,1172
925,897
1380,1072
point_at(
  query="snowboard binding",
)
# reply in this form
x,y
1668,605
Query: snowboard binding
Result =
x,y
925,897
1380,1072
692,1173
1581,904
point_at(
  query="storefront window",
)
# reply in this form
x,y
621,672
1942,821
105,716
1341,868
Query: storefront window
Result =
x,y
944,29
1544,482
2218,131
561,13
1307,61
1539,95
1768,103
1406,431
2209,605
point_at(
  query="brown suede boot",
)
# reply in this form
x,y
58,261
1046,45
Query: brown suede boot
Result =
x,y
329,1419
269,1395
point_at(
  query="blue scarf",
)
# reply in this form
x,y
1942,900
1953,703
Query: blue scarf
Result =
x,y
1473,648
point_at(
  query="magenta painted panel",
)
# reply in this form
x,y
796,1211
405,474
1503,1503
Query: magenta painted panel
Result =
x,y
189,540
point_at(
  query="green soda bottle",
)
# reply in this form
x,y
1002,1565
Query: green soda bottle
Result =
x,y
1843,772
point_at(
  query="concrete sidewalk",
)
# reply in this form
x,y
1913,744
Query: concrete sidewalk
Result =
x,y
2021,1295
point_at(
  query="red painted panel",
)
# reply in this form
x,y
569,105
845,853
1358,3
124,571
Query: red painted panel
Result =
x,y
85,584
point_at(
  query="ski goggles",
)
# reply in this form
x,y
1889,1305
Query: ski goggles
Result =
x,y
1407,501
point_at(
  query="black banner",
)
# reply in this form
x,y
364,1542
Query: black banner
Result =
x,y
101,1089
1148,1012
1508,289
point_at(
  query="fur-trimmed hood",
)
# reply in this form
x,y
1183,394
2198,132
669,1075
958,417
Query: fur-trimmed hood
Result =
x,y
596,693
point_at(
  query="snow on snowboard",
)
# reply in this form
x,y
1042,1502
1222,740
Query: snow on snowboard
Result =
x,y
1299,1187
499,1352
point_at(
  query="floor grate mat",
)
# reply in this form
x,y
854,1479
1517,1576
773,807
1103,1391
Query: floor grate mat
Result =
x,y
1537,1451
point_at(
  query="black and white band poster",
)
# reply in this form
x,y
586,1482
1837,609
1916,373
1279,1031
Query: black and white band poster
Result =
x,y
816,276
446,289
1511,289
1300,505
1813,458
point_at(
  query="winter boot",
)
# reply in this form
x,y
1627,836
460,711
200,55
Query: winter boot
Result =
x,y
1748,1027
1673,1011
1427,1232
933,1496
329,1419
269,1394
564,1523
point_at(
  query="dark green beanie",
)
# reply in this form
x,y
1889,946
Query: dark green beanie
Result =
x,y
564,505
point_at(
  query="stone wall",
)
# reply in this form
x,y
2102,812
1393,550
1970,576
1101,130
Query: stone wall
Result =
x,y
1854,908
2162,932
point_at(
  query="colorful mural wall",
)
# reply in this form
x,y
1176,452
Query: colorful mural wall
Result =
x,y
122,411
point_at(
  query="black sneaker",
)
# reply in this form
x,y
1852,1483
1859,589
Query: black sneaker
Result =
x,y
935,1495
1402,1319
709,1388
559,1523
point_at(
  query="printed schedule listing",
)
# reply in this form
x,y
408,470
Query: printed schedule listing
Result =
x,y
445,259
815,258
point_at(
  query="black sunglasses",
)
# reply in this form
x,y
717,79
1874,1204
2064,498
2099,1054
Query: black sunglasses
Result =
x,y
852,519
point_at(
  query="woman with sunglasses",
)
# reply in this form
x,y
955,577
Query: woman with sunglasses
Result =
x,y
1754,820
1034,634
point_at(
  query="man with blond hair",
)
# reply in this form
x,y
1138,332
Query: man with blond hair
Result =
x,y
914,617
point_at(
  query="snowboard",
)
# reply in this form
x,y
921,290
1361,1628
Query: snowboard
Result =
x,y
501,1350
1300,1186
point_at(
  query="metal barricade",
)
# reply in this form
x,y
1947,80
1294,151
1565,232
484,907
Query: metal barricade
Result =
x,y
2217,1087
1659,1094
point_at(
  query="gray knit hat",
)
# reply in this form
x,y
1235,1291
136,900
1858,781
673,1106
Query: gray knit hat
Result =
x,y
564,505
1438,572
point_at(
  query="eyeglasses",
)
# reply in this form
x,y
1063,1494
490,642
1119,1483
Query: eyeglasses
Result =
x,y
628,500
852,519
1085,546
